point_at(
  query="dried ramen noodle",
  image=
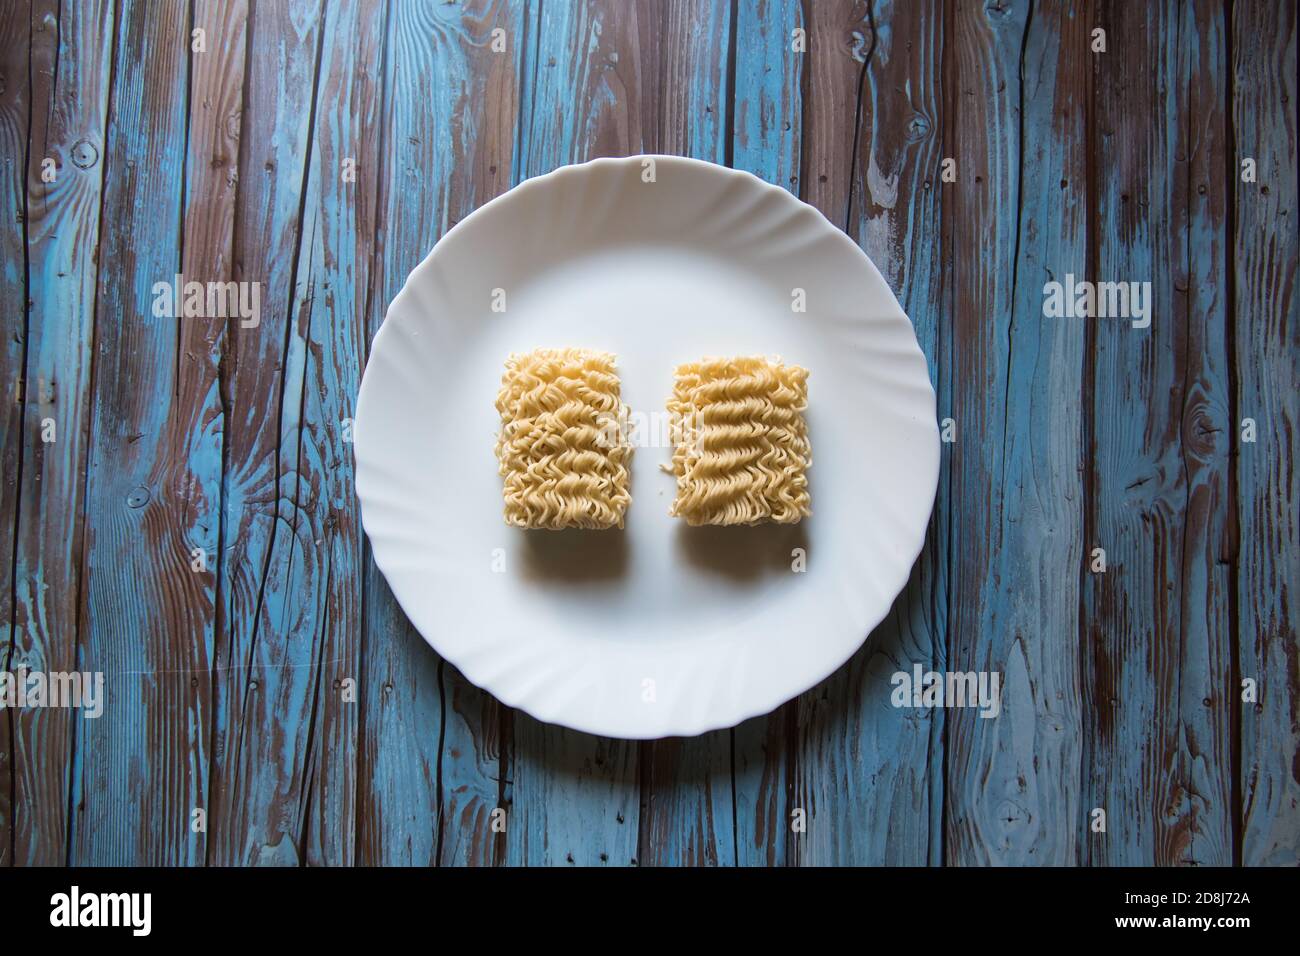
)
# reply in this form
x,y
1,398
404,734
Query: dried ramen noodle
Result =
x,y
563,448
740,442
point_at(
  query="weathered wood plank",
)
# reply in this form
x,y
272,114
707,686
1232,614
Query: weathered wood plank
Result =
x,y
767,115
683,84
1018,135
1267,338
69,99
448,133
767,132
865,769
273,575
401,724
580,95
573,798
15,98
328,339
1159,648
141,769
1207,742
686,810
197,423
839,38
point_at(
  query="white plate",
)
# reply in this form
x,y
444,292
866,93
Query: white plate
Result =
x,y
657,630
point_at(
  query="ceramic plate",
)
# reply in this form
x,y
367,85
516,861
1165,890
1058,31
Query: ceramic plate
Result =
x,y
659,629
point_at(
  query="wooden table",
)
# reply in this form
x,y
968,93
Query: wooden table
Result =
x,y
178,500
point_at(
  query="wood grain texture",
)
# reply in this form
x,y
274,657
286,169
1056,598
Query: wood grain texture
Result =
x,y
767,116
69,72
1159,649
687,814
1018,133
399,799
1205,697
839,39
865,770
141,768
985,820
15,49
274,575
329,338
1267,349
198,422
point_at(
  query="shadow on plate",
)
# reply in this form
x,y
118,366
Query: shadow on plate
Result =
x,y
574,555
742,553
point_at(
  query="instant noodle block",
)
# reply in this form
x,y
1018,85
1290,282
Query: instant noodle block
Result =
x,y
562,449
740,443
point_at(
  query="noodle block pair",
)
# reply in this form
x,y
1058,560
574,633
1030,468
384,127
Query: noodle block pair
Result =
x,y
740,444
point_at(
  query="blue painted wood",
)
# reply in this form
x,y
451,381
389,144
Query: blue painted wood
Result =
x,y
1207,739
211,190
1266,341
1017,133
328,336
63,223
140,769
867,772
1159,651
767,113
60,219
15,49
274,574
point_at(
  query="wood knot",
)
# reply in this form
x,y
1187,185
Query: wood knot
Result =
x,y
84,154
1201,431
